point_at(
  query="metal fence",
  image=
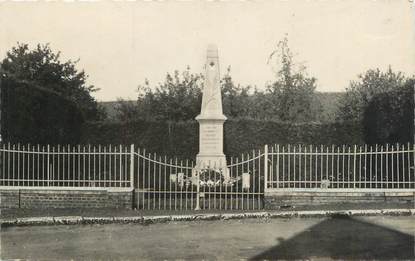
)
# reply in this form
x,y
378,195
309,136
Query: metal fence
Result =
x,y
65,166
172,184
159,182
381,167
162,183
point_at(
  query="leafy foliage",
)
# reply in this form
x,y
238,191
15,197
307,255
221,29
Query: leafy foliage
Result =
x,y
291,95
383,102
240,135
236,100
177,98
43,99
42,67
32,114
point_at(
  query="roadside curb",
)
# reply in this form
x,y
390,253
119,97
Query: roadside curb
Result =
x,y
145,220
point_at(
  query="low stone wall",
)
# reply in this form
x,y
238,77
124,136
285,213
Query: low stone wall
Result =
x,y
9,198
276,199
65,198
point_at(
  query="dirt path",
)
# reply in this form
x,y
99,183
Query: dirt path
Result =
x,y
357,237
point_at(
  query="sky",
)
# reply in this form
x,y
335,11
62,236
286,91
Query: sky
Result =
x,y
122,43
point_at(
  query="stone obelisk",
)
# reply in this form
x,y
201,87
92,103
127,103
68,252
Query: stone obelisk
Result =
x,y
211,117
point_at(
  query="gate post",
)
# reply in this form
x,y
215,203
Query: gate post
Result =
x,y
48,162
132,166
197,179
265,167
354,167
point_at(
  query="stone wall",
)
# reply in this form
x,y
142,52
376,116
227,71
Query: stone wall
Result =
x,y
276,199
125,198
9,198
53,198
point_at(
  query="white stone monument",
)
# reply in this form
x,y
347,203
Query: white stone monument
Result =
x,y
211,117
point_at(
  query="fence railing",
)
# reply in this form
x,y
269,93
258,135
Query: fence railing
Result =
x,y
65,166
163,183
159,182
342,167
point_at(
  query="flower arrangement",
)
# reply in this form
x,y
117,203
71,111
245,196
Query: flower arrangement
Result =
x,y
210,177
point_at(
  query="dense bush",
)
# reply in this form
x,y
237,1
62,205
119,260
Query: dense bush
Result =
x,y
41,66
383,102
182,139
388,118
31,114
44,100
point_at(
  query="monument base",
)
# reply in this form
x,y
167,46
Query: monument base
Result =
x,y
213,162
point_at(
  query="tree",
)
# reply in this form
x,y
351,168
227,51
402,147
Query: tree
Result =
x,y
291,95
42,67
176,99
235,98
383,102
360,92
32,114
44,100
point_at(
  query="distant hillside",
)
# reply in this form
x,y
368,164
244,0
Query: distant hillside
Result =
x,y
329,101
110,108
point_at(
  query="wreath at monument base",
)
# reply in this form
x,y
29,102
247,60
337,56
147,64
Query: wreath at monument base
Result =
x,y
209,177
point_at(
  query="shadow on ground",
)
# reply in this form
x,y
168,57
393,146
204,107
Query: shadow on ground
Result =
x,y
343,237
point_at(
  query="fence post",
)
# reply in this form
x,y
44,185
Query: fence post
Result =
x,y
354,166
132,166
197,179
265,167
48,170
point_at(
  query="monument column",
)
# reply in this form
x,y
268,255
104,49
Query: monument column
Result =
x,y
211,117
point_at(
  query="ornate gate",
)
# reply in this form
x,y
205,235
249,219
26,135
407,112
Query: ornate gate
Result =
x,y
173,184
